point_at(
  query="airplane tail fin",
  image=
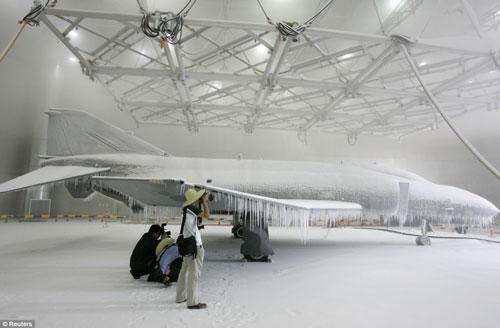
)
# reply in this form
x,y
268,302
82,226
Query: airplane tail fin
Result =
x,y
73,132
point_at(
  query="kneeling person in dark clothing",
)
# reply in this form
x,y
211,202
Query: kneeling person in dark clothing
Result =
x,y
143,258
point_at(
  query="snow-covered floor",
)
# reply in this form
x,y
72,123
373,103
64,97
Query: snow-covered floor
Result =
x,y
75,274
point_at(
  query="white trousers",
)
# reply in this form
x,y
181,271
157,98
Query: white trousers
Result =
x,y
188,278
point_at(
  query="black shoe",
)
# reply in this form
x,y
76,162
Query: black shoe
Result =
x,y
155,277
197,306
135,275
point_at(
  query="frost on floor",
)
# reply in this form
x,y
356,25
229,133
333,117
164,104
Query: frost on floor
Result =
x,y
75,275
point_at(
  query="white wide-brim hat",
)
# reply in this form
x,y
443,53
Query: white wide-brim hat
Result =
x,y
192,196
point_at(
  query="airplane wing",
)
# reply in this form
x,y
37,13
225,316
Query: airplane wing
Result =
x,y
48,174
304,204
169,192
323,204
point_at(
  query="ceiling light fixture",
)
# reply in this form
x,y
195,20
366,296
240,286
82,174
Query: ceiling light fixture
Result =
x,y
261,49
392,4
216,84
346,56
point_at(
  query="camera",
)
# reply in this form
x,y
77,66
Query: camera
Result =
x,y
200,226
163,225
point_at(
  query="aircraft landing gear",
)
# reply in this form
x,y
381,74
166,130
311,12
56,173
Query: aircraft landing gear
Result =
x,y
424,240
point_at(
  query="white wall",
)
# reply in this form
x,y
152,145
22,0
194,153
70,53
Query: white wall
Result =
x,y
21,93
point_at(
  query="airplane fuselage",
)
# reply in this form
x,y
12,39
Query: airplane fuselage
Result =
x,y
377,188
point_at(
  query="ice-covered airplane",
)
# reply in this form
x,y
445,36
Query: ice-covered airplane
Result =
x,y
90,155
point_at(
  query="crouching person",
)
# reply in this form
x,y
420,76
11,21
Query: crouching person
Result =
x,y
169,259
143,258
195,207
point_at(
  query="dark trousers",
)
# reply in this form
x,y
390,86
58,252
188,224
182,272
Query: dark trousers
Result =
x,y
141,269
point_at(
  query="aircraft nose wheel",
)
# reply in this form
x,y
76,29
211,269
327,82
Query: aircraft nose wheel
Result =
x,y
423,241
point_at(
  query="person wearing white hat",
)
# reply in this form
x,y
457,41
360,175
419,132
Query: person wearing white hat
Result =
x,y
195,206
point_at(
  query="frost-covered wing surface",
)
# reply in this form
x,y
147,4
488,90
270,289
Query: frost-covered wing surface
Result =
x,y
48,174
323,204
283,212
305,204
169,192
73,132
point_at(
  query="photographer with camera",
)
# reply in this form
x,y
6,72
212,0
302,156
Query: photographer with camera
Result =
x,y
195,208
143,258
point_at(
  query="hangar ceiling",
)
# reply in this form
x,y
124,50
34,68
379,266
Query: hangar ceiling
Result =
x,y
227,73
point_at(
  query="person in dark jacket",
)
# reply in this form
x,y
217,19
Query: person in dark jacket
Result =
x,y
143,258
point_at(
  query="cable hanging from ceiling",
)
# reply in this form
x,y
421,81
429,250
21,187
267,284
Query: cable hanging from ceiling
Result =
x,y
30,19
165,25
294,29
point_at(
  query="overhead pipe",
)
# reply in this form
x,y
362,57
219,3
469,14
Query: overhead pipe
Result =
x,y
437,105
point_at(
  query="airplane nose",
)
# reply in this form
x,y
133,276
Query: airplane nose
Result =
x,y
469,202
487,206
494,209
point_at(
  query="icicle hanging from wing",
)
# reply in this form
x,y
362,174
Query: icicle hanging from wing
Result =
x,y
255,208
